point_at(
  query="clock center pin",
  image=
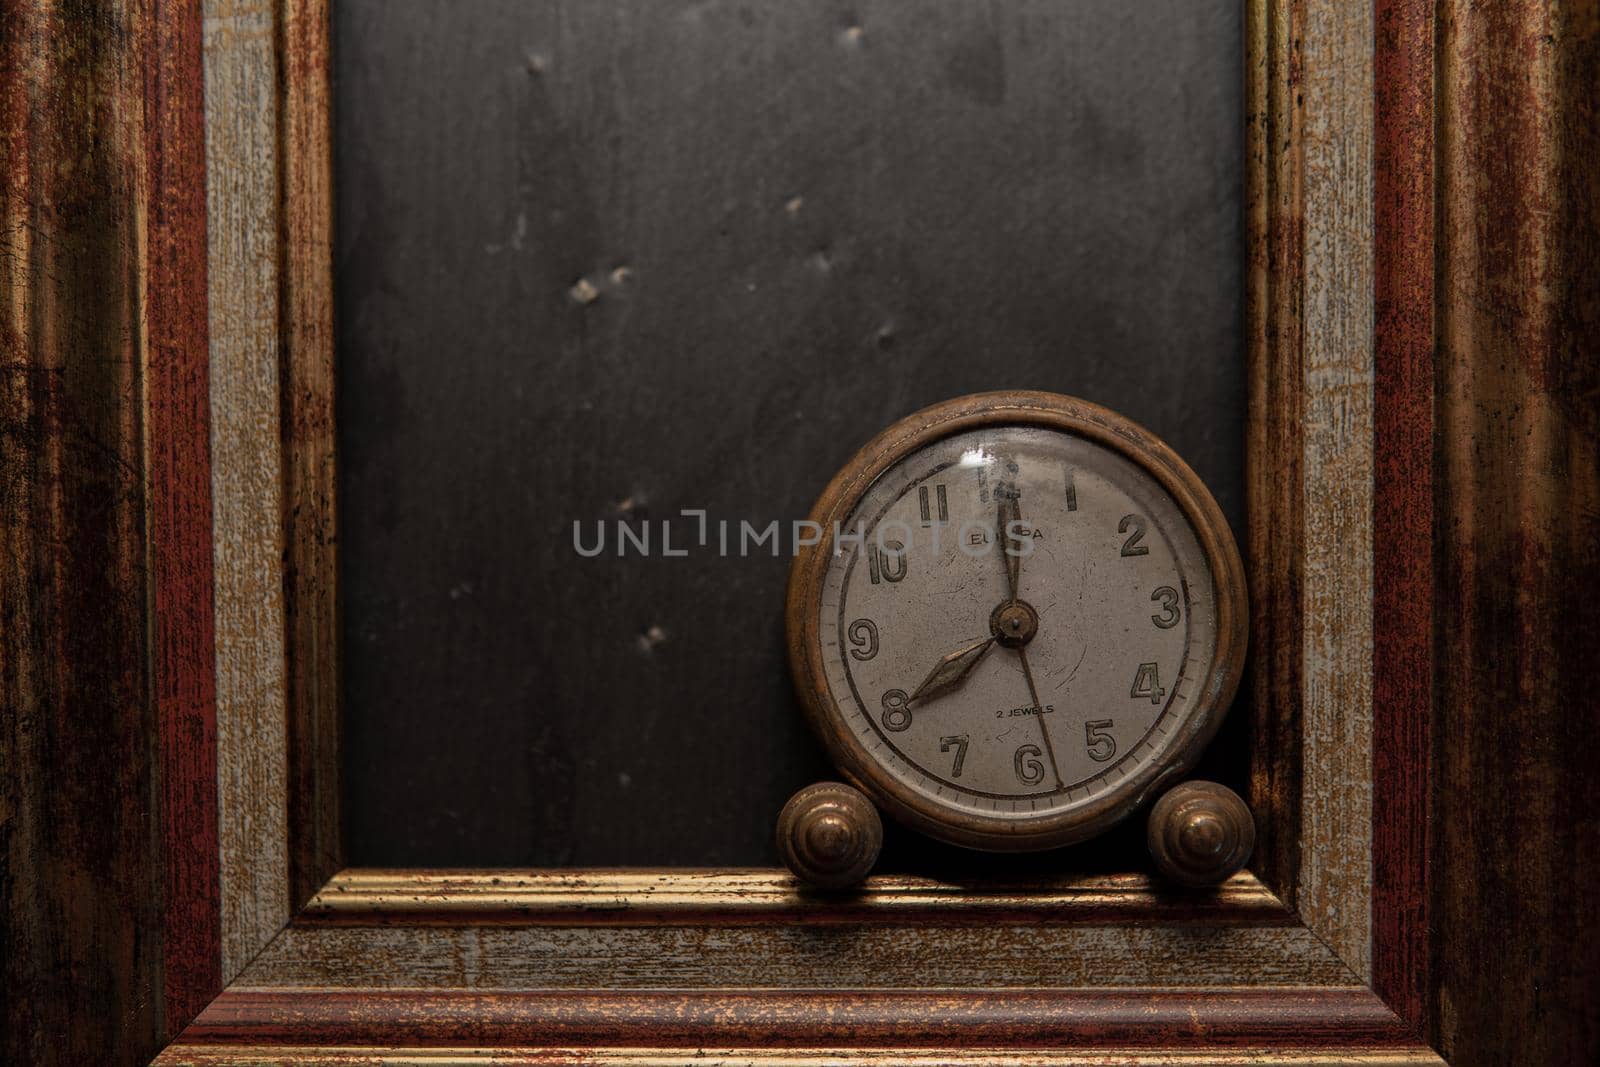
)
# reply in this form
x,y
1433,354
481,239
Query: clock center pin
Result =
x,y
1014,623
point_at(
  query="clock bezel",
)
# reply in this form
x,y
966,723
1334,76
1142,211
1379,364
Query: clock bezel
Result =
x,y
808,573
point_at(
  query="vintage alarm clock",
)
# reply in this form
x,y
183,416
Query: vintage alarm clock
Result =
x,y
1023,618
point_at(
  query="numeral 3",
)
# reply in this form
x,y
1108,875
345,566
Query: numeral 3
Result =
x,y
1168,597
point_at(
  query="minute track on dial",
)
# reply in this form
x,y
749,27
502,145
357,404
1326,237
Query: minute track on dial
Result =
x,y
1044,731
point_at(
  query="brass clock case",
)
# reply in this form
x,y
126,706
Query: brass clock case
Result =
x,y
1070,416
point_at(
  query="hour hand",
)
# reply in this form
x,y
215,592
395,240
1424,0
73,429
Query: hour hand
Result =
x,y
951,670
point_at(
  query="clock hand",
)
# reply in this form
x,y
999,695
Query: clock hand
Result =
x,y
1033,693
951,670
1009,511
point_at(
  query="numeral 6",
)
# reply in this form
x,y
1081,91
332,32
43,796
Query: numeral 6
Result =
x,y
1029,770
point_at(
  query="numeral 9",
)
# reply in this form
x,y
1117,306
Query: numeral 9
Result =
x,y
864,635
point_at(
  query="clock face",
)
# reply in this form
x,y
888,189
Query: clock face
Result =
x,y
1022,624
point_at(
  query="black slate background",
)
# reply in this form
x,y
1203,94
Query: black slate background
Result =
x,y
800,221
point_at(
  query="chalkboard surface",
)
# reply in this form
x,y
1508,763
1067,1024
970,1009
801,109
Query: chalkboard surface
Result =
x,y
622,259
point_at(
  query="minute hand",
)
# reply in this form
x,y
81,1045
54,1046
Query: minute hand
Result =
x,y
1038,710
1010,512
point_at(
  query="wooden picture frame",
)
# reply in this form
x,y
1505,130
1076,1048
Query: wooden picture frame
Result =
x,y
174,559
580,959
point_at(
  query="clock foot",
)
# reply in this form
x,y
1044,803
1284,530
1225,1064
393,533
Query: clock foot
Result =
x,y
1200,833
829,835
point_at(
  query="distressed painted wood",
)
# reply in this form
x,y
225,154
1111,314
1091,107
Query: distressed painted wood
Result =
x,y
1141,1020
835,1055
798,956
1309,460
107,818
1403,488
310,511
241,56
1335,874
176,454
1274,458
1515,796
